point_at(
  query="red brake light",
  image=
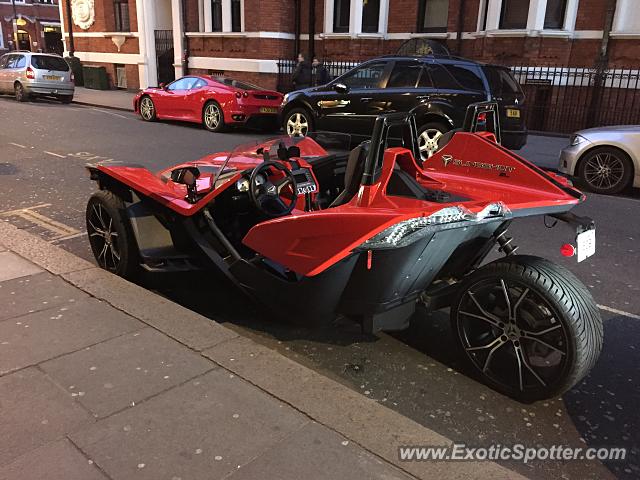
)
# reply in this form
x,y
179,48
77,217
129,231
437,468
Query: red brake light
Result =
x,y
245,94
30,73
568,250
238,95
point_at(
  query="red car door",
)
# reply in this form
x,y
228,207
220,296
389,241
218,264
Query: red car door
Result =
x,y
194,100
172,100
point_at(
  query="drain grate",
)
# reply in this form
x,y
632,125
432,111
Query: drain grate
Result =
x,y
8,169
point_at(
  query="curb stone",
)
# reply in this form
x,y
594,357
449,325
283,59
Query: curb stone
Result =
x,y
372,426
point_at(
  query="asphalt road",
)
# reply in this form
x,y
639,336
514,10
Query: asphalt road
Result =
x,y
44,188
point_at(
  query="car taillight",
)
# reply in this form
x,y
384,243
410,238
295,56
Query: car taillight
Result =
x,y
245,94
30,73
408,231
238,95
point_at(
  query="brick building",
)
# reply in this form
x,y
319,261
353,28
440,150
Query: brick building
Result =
x,y
143,42
34,25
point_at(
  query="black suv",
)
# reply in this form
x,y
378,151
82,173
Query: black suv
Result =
x,y
437,88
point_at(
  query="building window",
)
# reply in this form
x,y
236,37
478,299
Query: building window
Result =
x,y
236,15
216,15
121,8
370,16
341,16
433,15
48,2
514,14
555,15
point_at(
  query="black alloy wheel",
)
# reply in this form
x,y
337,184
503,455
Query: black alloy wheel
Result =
x,y
527,326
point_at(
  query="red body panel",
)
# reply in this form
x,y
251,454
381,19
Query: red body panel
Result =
x,y
308,242
187,105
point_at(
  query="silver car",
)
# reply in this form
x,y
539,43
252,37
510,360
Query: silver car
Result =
x,y
605,159
27,74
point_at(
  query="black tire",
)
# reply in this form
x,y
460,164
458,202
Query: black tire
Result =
x,y
213,117
554,313
147,109
20,93
298,122
605,170
66,99
428,137
119,252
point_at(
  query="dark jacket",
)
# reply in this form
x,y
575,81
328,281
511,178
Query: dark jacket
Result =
x,y
321,75
302,75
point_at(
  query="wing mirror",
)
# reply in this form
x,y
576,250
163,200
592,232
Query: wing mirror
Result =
x,y
162,85
187,176
340,88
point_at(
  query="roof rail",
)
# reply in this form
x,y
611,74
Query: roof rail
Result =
x,y
430,55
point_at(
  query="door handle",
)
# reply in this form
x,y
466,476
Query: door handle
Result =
x,y
366,99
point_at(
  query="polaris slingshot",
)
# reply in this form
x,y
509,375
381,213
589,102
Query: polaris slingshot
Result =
x,y
303,226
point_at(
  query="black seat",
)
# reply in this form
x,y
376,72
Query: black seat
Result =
x,y
353,174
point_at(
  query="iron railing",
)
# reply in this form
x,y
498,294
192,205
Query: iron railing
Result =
x,y
566,99
559,99
286,68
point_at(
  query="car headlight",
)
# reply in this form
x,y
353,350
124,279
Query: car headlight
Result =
x,y
577,139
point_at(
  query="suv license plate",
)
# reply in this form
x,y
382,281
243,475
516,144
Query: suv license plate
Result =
x,y
586,244
513,113
52,77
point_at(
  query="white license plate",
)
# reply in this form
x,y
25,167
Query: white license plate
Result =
x,y
586,244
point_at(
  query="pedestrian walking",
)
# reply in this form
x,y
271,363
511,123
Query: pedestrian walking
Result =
x,y
320,73
302,74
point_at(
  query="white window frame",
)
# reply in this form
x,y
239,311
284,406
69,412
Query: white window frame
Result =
x,y
535,20
1,36
226,17
355,20
622,24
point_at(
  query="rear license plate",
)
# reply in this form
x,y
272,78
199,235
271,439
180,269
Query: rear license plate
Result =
x,y
586,244
268,110
513,113
52,77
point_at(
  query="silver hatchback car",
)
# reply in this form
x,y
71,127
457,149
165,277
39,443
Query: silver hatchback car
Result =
x,y
27,74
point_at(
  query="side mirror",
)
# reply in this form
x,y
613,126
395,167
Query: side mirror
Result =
x,y
340,88
187,176
162,85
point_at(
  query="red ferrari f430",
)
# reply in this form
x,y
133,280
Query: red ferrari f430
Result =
x,y
311,231
215,102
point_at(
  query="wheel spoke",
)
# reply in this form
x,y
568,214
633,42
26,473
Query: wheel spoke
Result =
x,y
485,367
518,302
541,332
522,360
488,345
542,342
482,310
480,317
506,297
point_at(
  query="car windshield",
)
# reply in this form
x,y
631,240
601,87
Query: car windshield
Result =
x,y
314,145
45,62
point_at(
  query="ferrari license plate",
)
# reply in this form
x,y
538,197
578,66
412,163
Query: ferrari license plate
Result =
x,y
52,77
268,110
586,244
513,113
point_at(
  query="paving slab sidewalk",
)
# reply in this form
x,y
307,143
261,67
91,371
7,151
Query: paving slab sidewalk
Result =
x,y
116,99
102,379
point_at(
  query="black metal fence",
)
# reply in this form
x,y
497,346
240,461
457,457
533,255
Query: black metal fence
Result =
x,y
558,99
566,99
287,67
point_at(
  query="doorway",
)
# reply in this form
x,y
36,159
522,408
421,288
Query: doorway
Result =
x,y
24,40
164,56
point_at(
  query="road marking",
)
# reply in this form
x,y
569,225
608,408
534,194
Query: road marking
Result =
x,y
58,229
619,312
17,145
55,154
110,113
68,237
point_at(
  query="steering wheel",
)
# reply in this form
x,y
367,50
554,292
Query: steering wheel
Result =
x,y
266,197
